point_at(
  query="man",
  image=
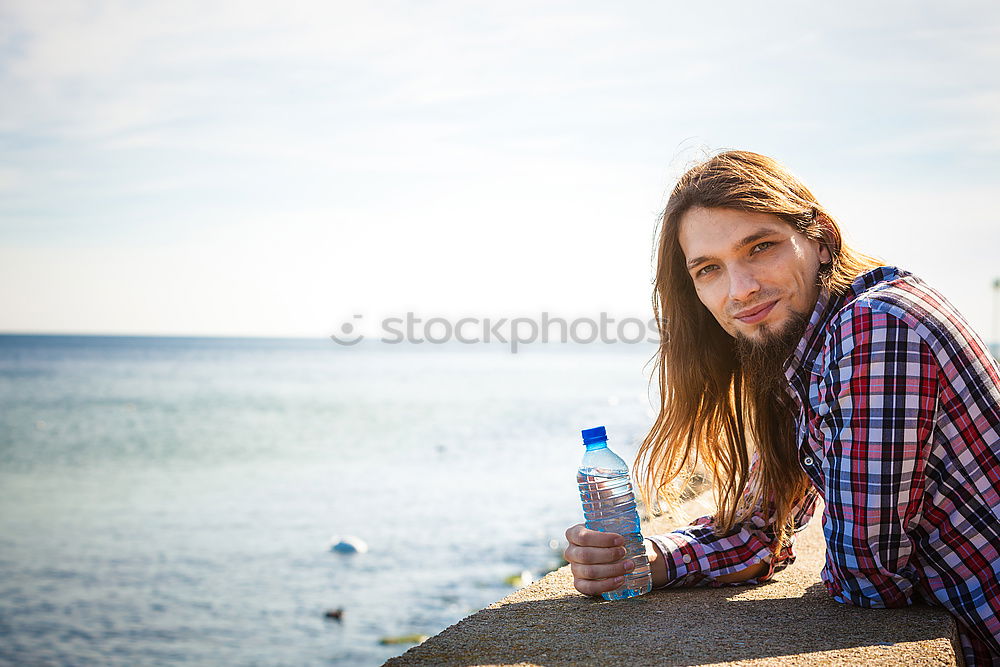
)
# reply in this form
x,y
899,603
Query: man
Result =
x,y
791,367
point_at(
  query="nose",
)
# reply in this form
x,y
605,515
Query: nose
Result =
x,y
742,284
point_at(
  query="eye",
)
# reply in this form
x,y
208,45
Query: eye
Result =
x,y
763,245
705,270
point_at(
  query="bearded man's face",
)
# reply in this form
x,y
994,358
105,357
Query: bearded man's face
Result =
x,y
755,273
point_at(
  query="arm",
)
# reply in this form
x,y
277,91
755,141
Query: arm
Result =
x,y
659,568
875,410
694,555
596,560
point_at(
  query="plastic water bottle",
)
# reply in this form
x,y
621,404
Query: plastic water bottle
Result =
x,y
609,506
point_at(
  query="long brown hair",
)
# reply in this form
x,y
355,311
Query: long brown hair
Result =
x,y
710,414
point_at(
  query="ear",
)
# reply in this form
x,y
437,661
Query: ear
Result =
x,y
824,254
831,237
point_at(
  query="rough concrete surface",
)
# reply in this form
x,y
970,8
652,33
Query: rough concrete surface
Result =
x,y
790,620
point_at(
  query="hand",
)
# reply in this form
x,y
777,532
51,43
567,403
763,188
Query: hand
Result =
x,y
596,560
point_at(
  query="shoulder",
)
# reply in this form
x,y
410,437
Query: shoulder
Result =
x,y
889,307
890,326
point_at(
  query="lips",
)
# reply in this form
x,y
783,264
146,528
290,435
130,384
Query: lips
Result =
x,y
755,314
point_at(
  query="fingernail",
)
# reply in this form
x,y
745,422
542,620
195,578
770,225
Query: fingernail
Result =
x,y
619,541
619,580
622,553
629,565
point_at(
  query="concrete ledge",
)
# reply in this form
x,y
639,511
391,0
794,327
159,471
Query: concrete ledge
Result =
x,y
790,620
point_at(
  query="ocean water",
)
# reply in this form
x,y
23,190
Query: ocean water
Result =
x,y
172,500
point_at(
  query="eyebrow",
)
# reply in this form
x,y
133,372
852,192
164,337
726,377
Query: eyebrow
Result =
x,y
742,243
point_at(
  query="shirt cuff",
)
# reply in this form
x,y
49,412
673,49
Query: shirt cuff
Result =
x,y
684,559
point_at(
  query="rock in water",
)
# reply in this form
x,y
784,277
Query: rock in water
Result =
x,y
348,545
403,639
521,580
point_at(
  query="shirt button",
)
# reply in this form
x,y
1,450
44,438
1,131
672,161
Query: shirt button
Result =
x,y
808,460
686,558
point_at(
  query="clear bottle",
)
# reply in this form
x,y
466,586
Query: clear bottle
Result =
x,y
609,506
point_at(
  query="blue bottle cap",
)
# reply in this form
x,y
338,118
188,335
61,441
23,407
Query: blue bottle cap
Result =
x,y
594,435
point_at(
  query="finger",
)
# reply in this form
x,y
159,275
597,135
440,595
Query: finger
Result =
x,y
593,555
572,530
606,571
584,537
592,587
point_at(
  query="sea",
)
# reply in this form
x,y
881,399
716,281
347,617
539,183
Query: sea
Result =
x,y
171,500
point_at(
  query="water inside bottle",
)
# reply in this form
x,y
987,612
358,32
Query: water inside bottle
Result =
x,y
609,506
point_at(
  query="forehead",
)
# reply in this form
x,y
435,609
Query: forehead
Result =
x,y
714,231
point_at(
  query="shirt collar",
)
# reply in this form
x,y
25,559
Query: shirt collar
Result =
x,y
807,351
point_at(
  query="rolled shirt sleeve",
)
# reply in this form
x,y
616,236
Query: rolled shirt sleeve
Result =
x,y
694,555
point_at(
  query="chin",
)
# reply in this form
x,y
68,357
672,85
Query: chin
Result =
x,y
758,333
762,330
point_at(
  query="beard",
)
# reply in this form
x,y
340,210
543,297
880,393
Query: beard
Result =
x,y
762,360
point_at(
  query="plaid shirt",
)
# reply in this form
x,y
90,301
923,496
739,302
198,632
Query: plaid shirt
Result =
x,y
899,430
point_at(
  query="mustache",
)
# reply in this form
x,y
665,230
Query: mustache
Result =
x,y
761,299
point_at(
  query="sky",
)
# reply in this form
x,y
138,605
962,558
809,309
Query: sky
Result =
x,y
278,169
